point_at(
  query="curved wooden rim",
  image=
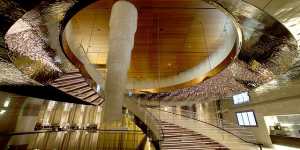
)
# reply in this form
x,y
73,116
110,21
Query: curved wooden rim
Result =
x,y
80,5
63,43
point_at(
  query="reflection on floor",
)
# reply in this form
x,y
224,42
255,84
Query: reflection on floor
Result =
x,y
83,140
63,126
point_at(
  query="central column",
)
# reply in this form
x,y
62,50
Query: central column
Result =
x,y
123,25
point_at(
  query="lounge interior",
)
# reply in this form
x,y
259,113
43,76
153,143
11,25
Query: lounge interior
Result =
x,y
149,75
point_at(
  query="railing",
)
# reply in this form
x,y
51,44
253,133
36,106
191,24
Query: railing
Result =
x,y
76,52
79,139
157,121
147,117
97,77
210,127
64,131
84,67
242,132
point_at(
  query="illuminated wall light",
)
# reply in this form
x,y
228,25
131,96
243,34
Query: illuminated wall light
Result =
x,y
99,109
82,108
98,88
148,144
51,105
166,108
68,106
6,103
2,111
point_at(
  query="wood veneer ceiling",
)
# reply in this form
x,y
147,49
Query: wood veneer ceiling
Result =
x,y
172,35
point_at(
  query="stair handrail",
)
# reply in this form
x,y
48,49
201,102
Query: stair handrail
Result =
x,y
147,117
158,121
85,71
210,124
220,123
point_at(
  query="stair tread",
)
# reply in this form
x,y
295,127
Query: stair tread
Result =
x,y
68,77
68,82
73,87
176,137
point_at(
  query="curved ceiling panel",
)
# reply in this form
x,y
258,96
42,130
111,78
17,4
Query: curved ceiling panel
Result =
x,y
173,45
269,50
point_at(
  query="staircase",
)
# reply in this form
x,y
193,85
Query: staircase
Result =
x,y
239,131
179,132
178,138
73,83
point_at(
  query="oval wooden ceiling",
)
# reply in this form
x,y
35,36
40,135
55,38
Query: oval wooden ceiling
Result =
x,y
172,35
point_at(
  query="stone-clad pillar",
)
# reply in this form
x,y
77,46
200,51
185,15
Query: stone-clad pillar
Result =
x,y
123,25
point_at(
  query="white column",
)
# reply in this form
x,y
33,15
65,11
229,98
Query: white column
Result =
x,y
123,25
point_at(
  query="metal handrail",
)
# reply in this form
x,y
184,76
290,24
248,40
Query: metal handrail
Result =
x,y
240,131
214,120
78,5
158,122
210,124
51,131
147,117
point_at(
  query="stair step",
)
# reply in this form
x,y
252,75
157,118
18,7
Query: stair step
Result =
x,y
192,146
68,82
170,140
183,135
86,94
98,101
187,139
178,138
80,91
68,77
74,87
92,98
73,71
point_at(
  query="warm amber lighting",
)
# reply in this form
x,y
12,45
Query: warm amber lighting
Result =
x,y
167,42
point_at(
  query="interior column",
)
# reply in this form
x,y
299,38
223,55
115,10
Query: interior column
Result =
x,y
123,25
